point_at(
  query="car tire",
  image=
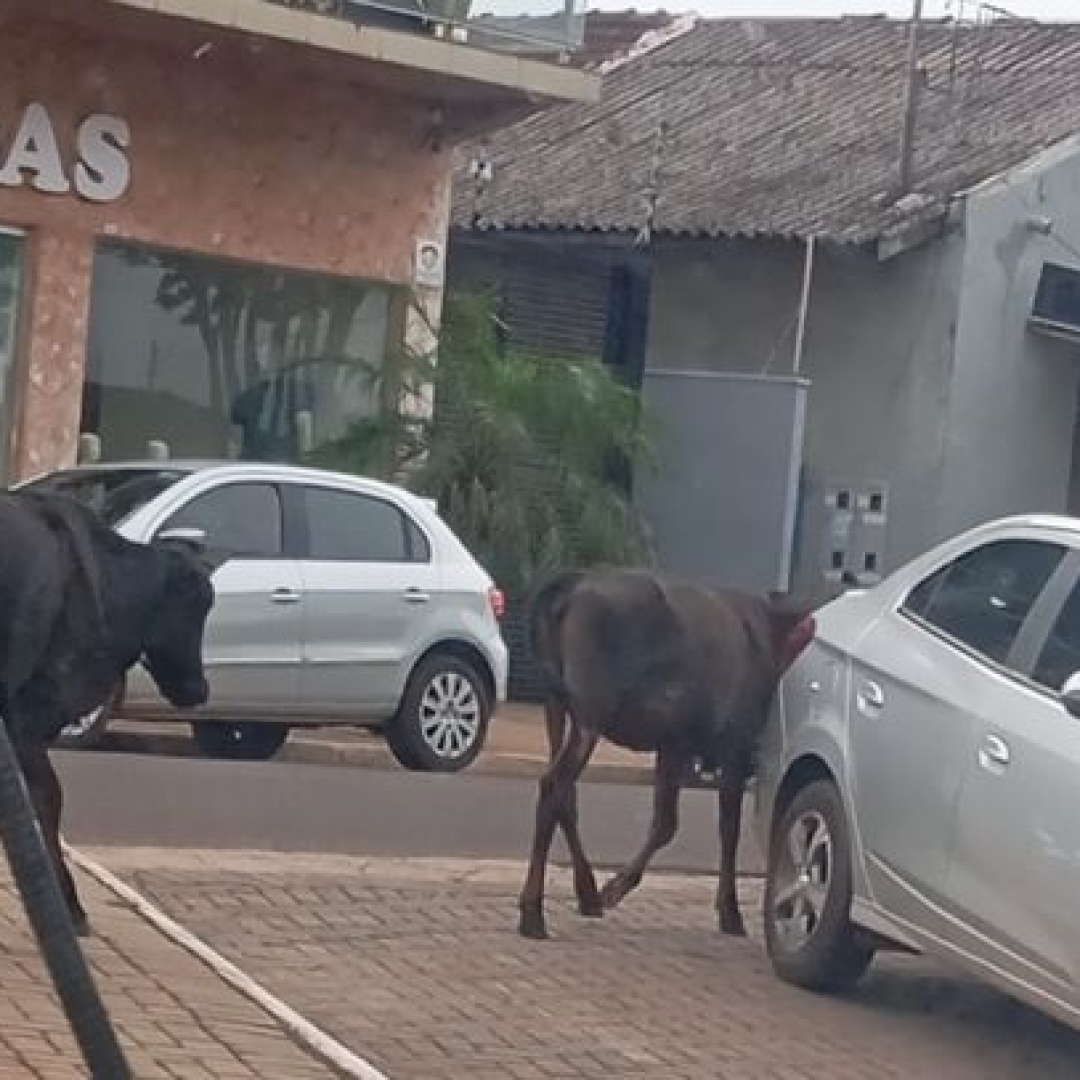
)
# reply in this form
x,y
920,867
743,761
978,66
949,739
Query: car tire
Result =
x,y
89,732
239,742
442,722
809,935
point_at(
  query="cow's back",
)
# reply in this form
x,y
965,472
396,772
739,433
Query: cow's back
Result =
x,y
645,656
628,665
32,581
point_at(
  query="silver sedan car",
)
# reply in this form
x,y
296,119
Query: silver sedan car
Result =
x,y
343,601
919,783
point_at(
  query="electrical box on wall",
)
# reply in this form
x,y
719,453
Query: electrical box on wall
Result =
x,y
854,544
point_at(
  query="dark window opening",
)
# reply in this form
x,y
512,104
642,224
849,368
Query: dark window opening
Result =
x,y
221,359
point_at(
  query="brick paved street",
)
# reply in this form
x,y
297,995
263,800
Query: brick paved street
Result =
x,y
415,965
176,1019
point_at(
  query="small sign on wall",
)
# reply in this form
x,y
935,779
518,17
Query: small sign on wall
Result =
x,y
429,264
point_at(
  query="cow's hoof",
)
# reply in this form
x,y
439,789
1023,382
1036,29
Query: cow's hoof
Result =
x,y
591,907
611,895
531,925
731,924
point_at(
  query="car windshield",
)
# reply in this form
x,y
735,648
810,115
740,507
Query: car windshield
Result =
x,y
114,494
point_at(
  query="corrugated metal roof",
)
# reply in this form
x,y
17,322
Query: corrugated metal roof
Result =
x,y
783,127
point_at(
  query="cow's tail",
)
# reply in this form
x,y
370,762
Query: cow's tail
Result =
x,y
547,611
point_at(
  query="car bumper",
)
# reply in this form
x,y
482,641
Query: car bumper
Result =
x,y
500,668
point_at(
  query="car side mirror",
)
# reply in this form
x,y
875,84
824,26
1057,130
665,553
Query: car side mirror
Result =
x,y
1070,695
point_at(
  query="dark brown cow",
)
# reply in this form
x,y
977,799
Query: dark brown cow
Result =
x,y
652,664
79,606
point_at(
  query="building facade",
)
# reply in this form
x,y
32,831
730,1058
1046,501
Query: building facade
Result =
x,y
212,233
937,330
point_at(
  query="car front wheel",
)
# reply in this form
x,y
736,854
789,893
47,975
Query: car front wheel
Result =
x,y
239,742
443,718
808,890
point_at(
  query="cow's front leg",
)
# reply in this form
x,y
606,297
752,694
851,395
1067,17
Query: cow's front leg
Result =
x,y
48,798
670,770
733,777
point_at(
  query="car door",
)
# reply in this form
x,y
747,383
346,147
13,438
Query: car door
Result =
x,y
1016,869
921,683
253,647
372,591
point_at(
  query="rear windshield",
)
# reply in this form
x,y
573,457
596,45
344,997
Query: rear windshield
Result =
x,y
114,494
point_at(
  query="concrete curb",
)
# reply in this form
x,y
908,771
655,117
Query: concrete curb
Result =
x,y
313,1039
366,756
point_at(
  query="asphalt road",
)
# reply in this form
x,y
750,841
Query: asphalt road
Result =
x,y
127,799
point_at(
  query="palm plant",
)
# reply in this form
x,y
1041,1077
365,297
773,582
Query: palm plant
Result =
x,y
523,452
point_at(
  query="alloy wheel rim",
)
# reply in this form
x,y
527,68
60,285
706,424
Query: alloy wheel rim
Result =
x,y
803,880
450,715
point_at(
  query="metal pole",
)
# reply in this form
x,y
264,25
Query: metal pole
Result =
x,y
51,922
804,304
911,99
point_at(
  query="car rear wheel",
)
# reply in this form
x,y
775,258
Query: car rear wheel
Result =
x,y
239,742
443,718
808,931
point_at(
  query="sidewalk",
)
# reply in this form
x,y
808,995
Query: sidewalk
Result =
x,y
415,965
176,1019
516,746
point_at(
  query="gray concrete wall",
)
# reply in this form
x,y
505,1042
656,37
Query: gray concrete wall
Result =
x,y
1011,430
877,352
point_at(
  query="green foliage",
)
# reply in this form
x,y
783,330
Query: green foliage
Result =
x,y
522,452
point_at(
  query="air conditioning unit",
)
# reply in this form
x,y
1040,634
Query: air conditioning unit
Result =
x,y
1056,307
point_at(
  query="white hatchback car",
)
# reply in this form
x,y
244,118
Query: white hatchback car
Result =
x,y
344,601
919,781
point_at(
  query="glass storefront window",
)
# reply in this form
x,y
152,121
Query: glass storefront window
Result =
x,y
10,284
211,358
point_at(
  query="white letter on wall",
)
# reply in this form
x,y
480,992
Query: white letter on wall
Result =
x,y
103,171
34,150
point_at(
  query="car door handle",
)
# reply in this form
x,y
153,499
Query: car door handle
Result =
x,y
415,596
870,698
285,596
994,754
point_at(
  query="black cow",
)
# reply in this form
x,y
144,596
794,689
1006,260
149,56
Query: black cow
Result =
x,y
79,606
652,663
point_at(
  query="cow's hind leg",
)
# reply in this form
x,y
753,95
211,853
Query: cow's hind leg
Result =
x,y
556,786
588,895
48,798
670,770
733,777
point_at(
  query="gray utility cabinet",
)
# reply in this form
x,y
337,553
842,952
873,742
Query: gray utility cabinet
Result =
x,y
721,506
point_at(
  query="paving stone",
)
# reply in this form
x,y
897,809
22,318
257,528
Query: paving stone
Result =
x,y
416,965
175,1017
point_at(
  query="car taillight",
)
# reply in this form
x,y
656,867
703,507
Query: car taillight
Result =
x,y
797,642
497,602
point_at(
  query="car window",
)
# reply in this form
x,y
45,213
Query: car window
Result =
x,y
1060,656
983,598
360,528
243,519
